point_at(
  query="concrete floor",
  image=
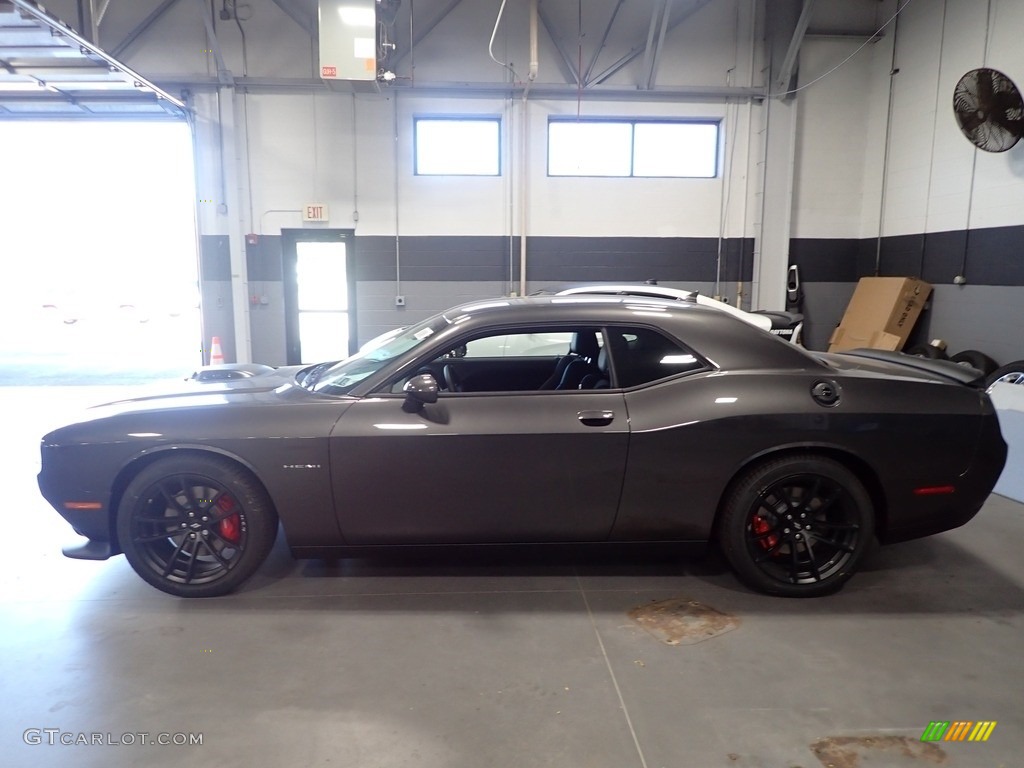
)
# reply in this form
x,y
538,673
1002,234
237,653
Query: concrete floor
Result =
x,y
482,664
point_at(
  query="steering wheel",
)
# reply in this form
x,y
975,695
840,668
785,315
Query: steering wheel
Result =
x,y
452,382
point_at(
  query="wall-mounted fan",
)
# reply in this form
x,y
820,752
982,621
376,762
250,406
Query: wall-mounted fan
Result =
x,y
989,109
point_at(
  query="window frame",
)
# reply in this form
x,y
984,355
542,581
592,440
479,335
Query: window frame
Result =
x,y
417,119
633,122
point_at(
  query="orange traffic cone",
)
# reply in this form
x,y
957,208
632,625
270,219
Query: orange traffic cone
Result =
x,y
216,354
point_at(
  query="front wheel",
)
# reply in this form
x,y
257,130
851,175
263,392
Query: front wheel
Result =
x,y
195,526
796,526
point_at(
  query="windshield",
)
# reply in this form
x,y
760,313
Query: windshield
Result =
x,y
340,378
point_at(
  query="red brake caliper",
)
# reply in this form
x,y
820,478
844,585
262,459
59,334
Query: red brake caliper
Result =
x,y
761,527
230,527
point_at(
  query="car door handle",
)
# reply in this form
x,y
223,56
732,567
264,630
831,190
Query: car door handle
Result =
x,y
595,418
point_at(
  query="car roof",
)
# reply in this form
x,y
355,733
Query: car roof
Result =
x,y
631,289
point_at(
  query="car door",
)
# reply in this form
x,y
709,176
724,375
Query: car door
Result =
x,y
480,467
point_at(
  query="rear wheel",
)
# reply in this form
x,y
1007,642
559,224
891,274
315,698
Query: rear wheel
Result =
x,y
195,526
796,526
1011,373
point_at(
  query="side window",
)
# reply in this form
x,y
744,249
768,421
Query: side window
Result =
x,y
533,359
643,355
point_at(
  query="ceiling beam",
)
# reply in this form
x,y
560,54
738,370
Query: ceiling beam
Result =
x,y
484,90
298,17
141,28
566,65
428,29
659,46
638,49
601,45
224,76
657,12
782,82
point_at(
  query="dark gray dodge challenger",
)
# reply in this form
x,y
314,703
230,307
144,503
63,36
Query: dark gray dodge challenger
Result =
x,y
522,421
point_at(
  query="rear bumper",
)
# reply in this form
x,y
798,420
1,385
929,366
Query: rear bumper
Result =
x,y
924,515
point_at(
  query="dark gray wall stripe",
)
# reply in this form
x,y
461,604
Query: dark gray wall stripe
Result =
x,y
825,261
638,258
553,259
214,257
263,259
994,257
444,258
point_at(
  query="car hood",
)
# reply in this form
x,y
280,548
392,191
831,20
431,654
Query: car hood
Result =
x,y
261,386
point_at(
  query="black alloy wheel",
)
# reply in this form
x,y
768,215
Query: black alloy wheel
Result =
x,y
1011,373
797,526
195,526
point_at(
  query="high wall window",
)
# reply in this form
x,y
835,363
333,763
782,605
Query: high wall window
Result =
x,y
458,146
647,148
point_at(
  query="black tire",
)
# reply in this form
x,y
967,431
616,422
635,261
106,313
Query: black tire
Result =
x,y
195,526
768,512
927,350
1011,373
977,360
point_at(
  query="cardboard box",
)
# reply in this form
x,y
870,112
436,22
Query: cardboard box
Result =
x,y
881,314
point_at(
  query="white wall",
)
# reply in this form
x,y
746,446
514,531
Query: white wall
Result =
x,y
937,180
341,150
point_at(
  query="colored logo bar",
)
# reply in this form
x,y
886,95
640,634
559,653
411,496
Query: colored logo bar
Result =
x,y
958,730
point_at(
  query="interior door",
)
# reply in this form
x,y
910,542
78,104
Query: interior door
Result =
x,y
484,467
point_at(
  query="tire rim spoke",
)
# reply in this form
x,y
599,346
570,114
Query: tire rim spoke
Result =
x,y
835,545
225,563
174,557
172,499
810,559
224,542
838,526
192,557
794,565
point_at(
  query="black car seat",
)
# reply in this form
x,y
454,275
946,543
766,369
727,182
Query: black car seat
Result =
x,y
583,352
602,379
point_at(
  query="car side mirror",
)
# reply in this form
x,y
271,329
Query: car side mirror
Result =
x,y
420,390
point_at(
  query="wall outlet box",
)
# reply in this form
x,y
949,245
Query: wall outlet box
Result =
x,y
399,301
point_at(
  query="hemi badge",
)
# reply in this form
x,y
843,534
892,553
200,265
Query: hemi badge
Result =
x,y
300,466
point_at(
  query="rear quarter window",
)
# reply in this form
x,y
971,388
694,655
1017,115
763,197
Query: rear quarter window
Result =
x,y
643,355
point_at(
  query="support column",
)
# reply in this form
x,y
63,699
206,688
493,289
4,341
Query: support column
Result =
x,y
771,246
235,152
785,25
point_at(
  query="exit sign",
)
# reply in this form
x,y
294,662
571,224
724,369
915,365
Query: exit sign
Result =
x,y
315,212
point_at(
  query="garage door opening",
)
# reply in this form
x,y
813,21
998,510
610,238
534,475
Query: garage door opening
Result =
x,y
99,243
